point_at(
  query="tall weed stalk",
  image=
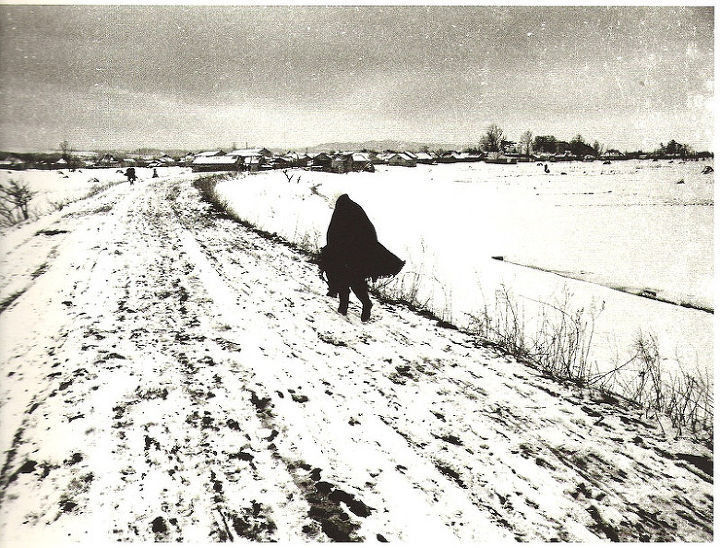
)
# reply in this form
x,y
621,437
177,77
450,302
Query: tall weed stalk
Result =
x,y
559,343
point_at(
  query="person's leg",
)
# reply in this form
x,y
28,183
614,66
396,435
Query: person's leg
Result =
x,y
360,289
339,284
344,293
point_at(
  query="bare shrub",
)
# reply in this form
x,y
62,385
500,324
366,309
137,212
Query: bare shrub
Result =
x,y
308,241
559,345
685,398
290,177
405,288
15,202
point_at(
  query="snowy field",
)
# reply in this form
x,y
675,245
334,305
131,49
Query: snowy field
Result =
x,y
169,375
56,187
635,226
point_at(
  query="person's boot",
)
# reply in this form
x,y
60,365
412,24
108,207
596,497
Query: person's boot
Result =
x,y
344,301
365,316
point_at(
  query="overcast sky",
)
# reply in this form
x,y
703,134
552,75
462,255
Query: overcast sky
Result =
x,y
288,77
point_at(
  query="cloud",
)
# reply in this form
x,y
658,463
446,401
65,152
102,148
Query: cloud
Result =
x,y
299,75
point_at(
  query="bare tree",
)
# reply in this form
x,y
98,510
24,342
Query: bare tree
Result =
x,y
598,148
14,198
526,140
66,150
493,138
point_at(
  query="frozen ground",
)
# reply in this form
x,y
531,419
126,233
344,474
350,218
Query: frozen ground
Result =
x,y
586,229
61,186
168,375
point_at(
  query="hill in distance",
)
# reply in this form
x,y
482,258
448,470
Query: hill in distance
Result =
x,y
384,145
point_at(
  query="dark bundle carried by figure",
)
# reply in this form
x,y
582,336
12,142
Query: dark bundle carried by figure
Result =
x,y
353,254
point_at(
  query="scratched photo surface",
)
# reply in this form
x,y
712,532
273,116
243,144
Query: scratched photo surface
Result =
x,y
423,274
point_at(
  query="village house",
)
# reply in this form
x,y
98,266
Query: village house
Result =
x,y
320,162
361,162
544,157
566,156
12,162
216,163
613,154
401,159
166,160
249,152
144,160
341,162
450,157
304,160
383,157
499,158
282,162
468,157
293,159
107,160
252,158
425,158
252,163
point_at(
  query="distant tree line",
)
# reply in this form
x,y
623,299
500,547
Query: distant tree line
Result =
x,y
494,141
674,149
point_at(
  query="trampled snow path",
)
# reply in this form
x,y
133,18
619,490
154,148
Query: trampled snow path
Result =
x,y
170,375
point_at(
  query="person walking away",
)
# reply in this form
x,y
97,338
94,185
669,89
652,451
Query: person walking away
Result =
x,y
353,254
130,174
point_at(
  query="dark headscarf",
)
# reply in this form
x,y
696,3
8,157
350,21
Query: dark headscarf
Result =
x,y
350,231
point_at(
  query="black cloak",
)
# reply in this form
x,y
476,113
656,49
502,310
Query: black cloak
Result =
x,y
352,248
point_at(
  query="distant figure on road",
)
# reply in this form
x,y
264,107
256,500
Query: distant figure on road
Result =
x,y
353,254
155,172
547,169
130,174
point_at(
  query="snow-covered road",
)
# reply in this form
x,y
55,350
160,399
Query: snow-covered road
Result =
x,y
168,374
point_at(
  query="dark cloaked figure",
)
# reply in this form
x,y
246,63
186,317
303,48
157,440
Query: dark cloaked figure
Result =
x,y
130,174
353,254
